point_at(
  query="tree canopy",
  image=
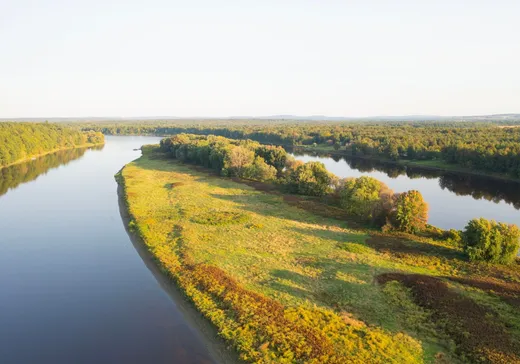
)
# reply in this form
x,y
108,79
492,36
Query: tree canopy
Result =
x,y
19,141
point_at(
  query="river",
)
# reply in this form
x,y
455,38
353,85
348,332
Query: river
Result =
x,y
73,289
454,198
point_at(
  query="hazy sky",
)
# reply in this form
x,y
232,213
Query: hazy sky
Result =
x,y
222,58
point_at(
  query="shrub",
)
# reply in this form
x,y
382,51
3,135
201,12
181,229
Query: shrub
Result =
x,y
410,213
453,237
490,241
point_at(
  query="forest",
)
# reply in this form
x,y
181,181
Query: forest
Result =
x,y
484,147
21,141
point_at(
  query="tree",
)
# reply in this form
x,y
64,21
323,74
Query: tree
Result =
x,y
410,213
260,171
274,156
237,159
366,197
311,178
490,241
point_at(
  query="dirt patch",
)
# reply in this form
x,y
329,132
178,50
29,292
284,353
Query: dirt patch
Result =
x,y
474,328
509,292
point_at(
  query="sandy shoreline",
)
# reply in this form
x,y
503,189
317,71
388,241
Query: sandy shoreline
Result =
x,y
217,347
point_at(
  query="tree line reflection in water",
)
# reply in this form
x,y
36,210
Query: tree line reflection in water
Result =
x,y
15,175
461,184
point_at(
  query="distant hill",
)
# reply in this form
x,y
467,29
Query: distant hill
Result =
x,y
493,117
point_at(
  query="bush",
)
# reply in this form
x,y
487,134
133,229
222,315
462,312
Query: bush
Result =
x,y
453,237
410,212
490,241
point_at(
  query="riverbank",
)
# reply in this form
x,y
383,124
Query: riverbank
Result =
x,y
268,272
87,145
215,344
433,165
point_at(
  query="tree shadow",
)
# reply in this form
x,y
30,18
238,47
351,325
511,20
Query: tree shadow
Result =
x,y
398,245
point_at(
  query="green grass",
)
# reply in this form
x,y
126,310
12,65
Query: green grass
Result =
x,y
303,261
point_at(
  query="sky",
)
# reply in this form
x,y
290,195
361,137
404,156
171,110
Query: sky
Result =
x,y
66,58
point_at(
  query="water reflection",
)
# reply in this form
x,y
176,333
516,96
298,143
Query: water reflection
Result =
x,y
478,187
12,176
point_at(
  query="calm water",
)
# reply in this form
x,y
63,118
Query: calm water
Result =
x,y
73,289
454,199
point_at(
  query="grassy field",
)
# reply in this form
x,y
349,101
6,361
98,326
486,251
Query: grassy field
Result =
x,y
284,284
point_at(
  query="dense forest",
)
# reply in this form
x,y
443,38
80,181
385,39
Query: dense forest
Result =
x,y
489,148
19,141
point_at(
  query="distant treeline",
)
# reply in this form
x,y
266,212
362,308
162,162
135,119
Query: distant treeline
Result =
x,y
483,147
19,141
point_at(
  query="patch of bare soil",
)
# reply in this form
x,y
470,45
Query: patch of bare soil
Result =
x,y
509,292
475,329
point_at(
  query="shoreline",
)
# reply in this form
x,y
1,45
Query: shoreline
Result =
x,y
88,145
218,349
404,163
407,163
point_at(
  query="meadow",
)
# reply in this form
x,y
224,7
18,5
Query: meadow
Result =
x,y
287,280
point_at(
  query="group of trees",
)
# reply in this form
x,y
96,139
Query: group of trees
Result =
x,y
483,147
486,240
371,200
365,198
19,141
246,159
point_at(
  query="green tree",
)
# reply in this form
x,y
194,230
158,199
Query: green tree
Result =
x,y
365,197
490,241
237,160
410,213
259,170
312,178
